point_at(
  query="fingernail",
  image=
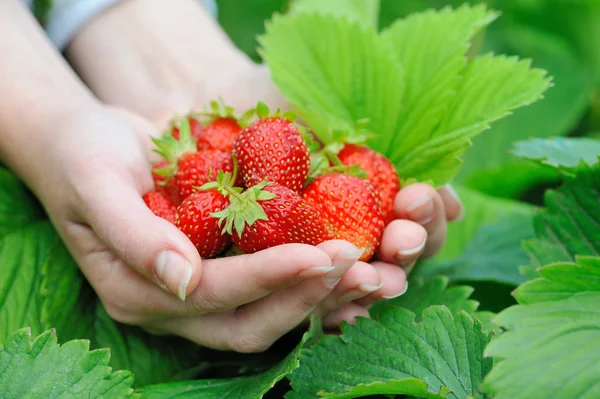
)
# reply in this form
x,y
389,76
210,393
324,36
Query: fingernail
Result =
x,y
397,295
331,281
366,288
174,271
315,271
403,253
450,190
360,291
351,253
421,211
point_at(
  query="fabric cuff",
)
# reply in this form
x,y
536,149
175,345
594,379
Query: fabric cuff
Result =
x,y
68,16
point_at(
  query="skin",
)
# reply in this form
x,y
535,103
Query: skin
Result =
x,y
90,140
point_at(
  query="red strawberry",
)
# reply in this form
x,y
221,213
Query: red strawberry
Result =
x,y
219,135
285,218
272,148
160,205
349,204
380,172
164,185
198,168
186,167
197,216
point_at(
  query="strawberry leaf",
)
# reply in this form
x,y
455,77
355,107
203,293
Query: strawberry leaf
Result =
x,y
250,387
494,254
363,11
23,254
435,358
18,208
433,71
68,301
423,293
570,224
424,103
335,72
43,369
153,359
490,87
559,324
559,152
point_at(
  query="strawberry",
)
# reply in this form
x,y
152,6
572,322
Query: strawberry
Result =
x,y
380,172
185,166
284,218
219,135
198,168
272,148
349,205
160,205
165,186
196,216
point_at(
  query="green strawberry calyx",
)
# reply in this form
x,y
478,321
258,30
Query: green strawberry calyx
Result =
x,y
220,110
244,208
172,150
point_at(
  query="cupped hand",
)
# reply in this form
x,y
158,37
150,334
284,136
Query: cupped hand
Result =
x,y
141,266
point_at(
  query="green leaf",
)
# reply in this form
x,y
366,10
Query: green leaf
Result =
x,y
23,254
424,106
562,280
494,254
564,335
250,387
481,209
431,47
389,355
43,369
362,11
18,208
335,72
487,321
68,301
570,224
423,293
561,341
153,359
490,88
560,152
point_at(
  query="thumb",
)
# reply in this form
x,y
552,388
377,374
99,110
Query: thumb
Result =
x,y
152,246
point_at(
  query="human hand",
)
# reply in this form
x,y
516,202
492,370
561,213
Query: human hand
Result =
x,y
139,264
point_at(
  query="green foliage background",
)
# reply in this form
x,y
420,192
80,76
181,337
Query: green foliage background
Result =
x,y
528,248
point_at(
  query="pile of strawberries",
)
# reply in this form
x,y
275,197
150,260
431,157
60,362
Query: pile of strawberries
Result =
x,y
261,180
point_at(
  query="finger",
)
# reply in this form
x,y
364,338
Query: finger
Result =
x,y
422,204
403,242
361,280
454,207
268,319
150,245
254,327
234,281
348,313
394,284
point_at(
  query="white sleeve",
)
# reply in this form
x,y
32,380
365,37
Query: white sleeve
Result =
x,y
67,16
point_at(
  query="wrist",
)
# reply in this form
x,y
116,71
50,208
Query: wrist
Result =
x,y
154,57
